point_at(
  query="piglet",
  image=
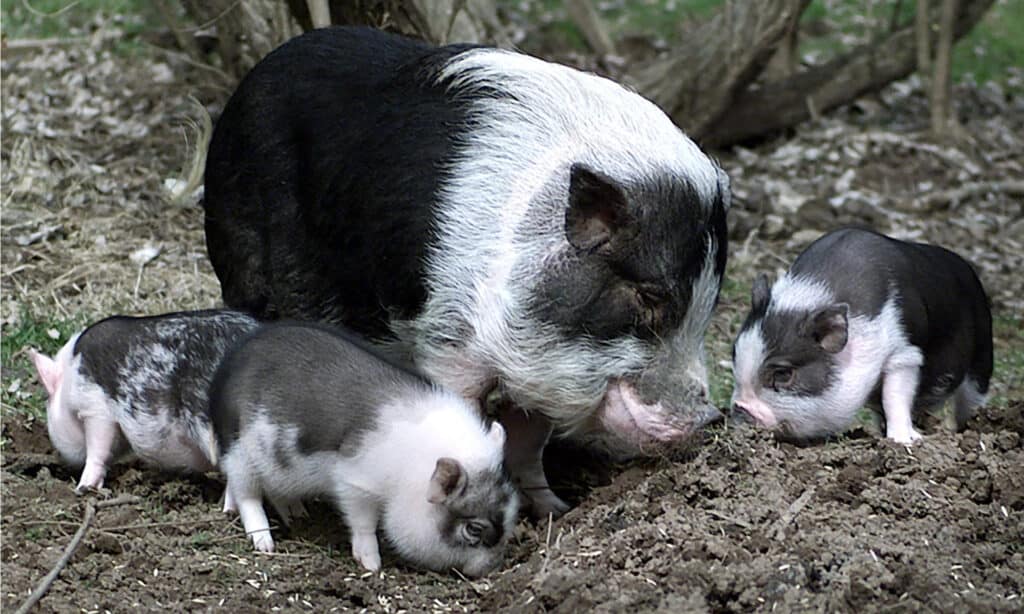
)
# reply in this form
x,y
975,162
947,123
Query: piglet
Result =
x,y
141,385
861,318
302,410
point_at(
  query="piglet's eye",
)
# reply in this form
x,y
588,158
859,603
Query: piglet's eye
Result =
x,y
473,531
783,377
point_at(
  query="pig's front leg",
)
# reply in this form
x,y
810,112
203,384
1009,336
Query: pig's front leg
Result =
x,y
899,386
248,499
363,514
103,438
525,438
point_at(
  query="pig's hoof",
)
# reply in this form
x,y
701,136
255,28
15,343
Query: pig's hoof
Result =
x,y
907,439
366,553
544,503
262,541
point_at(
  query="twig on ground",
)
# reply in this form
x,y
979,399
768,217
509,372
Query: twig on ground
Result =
x,y
48,580
736,521
790,514
969,190
547,544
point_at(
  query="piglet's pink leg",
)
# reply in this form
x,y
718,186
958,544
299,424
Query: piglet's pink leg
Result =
x,y
898,389
102,439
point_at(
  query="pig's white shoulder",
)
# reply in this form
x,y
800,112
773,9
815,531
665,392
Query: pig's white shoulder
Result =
x,y
580,116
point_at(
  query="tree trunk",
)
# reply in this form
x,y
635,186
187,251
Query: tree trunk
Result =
x,y
246,30
698,82
589,22
249,29
782,104
942,88
922,38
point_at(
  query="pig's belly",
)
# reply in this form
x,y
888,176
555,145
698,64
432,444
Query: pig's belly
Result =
x,y
167,444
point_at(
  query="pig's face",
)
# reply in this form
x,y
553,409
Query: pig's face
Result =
x,y
622,302
788,360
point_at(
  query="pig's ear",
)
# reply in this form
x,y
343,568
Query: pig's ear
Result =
x,y
761,293
496,434
828,327
48,369
597,208
449,479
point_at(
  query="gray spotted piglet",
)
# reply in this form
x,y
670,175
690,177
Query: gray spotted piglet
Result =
x,y
141,385
861,318
303,410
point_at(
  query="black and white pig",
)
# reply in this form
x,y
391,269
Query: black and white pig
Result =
x,y
497,219
302,410
863,318
141,385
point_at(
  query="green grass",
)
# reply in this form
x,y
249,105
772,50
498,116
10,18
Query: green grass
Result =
x,y
21,391
995,44
734,301
1008,375
63,19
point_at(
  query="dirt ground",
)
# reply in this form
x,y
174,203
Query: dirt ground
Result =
x,y
738,523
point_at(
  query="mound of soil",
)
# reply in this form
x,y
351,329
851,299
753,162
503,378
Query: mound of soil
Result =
x,y
746,523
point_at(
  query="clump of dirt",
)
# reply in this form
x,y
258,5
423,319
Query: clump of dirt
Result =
x,y
740,523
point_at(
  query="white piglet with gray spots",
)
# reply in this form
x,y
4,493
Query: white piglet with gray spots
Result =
x,y
140,385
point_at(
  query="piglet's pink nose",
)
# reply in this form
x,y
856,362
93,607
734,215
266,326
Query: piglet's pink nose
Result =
x,y
742,412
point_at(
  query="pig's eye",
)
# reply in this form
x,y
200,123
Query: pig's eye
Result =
x,y
472,531
783,377
651,303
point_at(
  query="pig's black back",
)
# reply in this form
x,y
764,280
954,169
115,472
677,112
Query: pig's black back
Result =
x,y
160,363
323,381
338,110
943,307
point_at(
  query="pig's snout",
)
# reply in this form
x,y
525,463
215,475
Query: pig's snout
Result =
x,y
625,413
706,416
740,413
753,413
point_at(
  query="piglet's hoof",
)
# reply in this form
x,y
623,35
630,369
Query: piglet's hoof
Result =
x,y
262,541
908,438
83,489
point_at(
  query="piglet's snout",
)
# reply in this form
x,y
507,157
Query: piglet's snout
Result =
x,y
740,413
755,412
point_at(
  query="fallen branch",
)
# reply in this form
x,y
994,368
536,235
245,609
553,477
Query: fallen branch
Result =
x,y
970,190
47,581
790,514
787,102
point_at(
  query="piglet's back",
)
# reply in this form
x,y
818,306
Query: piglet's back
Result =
x,y
321,380
159,363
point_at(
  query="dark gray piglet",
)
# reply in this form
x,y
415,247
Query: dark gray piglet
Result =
x,y
138,384
303,410
863,318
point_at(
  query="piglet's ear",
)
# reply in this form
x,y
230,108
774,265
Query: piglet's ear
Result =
x,y
496,434
597,208
828,327
48,369
761,293
449,478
